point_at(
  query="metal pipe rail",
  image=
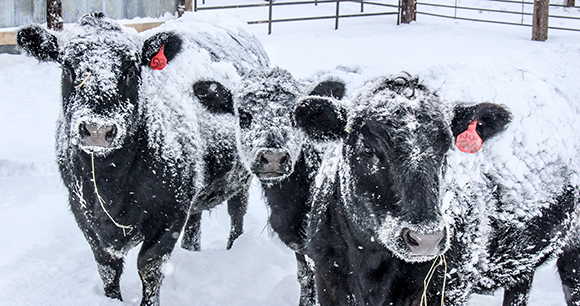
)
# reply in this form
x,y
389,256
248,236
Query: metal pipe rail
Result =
x,y
522,13
270,4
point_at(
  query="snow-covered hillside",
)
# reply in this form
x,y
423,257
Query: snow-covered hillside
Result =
x,y
45,260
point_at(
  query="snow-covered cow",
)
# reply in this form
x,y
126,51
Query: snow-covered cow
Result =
x,y
133,161
278,153
207,55
395,198
121,191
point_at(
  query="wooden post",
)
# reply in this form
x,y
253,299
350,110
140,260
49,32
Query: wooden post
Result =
x,y
184,6
180,8
540,20
54,19
407,10
570,3
270,2
337,14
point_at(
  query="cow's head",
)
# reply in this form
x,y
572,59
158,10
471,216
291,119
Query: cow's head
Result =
x,y
394,147
268,142
100,79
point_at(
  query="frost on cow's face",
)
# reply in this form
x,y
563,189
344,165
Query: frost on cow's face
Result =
x,y
395,156
392,160
268,143
100,80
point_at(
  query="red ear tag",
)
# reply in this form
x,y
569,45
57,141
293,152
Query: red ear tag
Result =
x,y
159,61
469,141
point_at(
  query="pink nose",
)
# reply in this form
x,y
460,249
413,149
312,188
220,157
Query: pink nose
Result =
x,y
273,164
424,245
97,135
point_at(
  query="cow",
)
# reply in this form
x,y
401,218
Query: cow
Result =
x,y
132,164
209,56
279,155
394,199
121,192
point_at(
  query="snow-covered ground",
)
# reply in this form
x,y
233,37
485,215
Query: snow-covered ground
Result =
x,y
45,260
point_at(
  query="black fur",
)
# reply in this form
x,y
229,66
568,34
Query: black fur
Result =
x,y
318,119
491,119
214,96
288,195
225,178
352,265
38,42
331,88
152,45
147,204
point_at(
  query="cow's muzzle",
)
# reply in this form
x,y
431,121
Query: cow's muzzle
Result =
x,y
272,164
424,245
97,135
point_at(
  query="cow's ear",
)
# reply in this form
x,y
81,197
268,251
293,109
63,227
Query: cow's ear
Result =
x,y
38,42
492,119
333,89
160,49
320,118
214,96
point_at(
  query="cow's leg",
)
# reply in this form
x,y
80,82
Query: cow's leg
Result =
x,y
110,269
157,247
191,240
306,281
518,293
237,207
569,270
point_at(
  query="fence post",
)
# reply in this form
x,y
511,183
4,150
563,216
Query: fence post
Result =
x,y
337,14
184,6
54,19
570,3
407,10
540,20
270,2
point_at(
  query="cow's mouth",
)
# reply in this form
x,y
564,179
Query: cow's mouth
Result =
x,y
271,176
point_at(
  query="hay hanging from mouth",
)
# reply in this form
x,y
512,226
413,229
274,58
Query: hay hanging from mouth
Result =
x,y
102,202
434,266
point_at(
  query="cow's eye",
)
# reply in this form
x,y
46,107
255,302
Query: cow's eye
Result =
x,y
129,76
245,119
368,150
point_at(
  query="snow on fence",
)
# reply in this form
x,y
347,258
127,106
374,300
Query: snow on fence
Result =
x,y
384,8
563,15
541,15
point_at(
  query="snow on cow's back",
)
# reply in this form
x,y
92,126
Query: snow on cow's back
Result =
x,y
214,46
536,157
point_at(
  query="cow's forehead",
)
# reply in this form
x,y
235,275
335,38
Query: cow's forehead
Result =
x,y
409,103
103,42
275,89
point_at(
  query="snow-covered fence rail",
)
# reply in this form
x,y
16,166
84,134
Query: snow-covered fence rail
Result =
x,y
511,12
385,9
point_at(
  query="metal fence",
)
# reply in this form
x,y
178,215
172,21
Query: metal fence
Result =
x,y
386,9
510,12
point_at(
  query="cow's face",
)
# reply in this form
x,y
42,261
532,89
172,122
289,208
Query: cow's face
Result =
x,y
268,142
394,148
100,80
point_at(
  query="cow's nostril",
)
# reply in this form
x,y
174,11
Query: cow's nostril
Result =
x,y
111,134
264,160
84,131
284,160
412,242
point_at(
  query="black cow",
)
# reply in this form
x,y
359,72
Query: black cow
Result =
x,y
124,188
393,196
201,56
279,155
